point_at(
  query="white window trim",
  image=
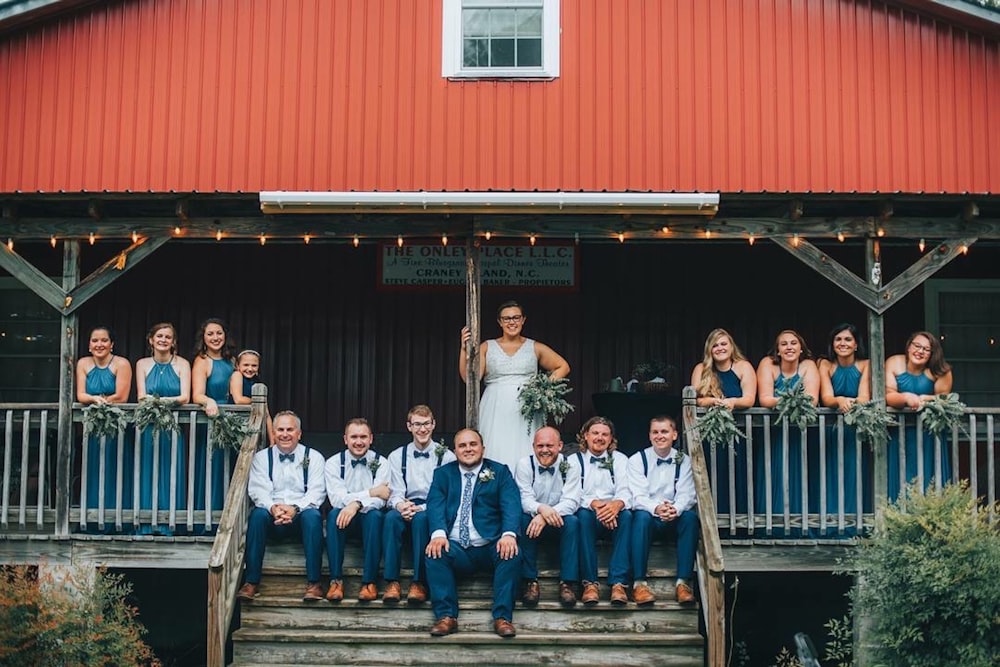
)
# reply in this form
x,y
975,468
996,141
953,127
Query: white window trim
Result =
x,y
451,47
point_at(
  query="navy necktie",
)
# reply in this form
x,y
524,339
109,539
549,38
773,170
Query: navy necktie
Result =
x,y
543,469
421,455
286,457
597,459
663,462
358,462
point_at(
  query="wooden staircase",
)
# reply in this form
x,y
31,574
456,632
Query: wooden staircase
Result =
x,y
278,628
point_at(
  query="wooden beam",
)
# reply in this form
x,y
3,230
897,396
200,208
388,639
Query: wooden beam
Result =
x,y
113,269
876,365
67,359
33,279
920,271
830,269
473,287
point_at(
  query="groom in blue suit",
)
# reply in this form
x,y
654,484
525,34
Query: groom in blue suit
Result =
x,y
474,513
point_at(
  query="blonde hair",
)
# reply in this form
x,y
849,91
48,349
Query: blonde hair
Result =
x,y
708,383
580,437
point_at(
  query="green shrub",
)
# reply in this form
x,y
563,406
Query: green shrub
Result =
x,y
80,619
929,582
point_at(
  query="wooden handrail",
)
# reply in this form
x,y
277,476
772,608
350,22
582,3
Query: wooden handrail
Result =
x,y
225,562
711,566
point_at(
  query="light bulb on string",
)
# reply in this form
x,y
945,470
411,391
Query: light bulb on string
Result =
x,y
399,240
665,230
263,239
92,238
177,230
880,232
795,240
218,234
708,233
751,239
621,237
531,239
52,241
357,241
964,249
488,235
306,238
840,236
444,239
135,236
10,244
921,245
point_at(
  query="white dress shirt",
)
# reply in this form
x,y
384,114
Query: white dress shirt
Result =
x,y
287,479
419,472
661,482
600,484
357,481
562,495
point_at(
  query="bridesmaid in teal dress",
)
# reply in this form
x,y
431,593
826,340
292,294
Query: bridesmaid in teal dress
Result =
x,y
168,377
845,379
210,377
731,383
105,377
912,378
789,363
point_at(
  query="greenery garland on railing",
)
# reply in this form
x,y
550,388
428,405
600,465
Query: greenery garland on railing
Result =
x,y
796,407
228,430
870,421
718,426
104,420
943,413
153,412
543,396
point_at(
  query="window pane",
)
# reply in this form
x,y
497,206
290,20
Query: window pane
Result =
x,y
476,23
529,23
529,53
502,53
502,22
475,53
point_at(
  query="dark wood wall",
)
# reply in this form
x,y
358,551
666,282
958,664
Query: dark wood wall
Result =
x,y
335,346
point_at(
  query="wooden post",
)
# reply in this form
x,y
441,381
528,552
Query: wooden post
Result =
x,y
67,356
876,355
472,309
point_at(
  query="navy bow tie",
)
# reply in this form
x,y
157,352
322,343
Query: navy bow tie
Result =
x,y
661,462
597,459
421,455
286,457
549,469
358,462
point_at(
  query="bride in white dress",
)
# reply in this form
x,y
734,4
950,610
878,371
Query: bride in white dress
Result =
x,y
505,363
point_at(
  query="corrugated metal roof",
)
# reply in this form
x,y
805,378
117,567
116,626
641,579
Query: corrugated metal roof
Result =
x,y
693,95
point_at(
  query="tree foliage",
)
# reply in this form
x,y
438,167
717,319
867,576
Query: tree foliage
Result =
x,y
929,582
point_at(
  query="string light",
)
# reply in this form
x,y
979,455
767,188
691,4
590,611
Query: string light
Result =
x,y
708,233
795,240
576,238
92,238
444,239
263,239
52,241
177,230
357,241
964,248
921,245
751,239
135,236
307,239
399,240
840,236
665,230
488,235
531,239
992,341
621,237
10,244
880,232
218,234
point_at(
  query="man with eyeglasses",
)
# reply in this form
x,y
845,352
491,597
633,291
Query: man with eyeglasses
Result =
x,y
411,468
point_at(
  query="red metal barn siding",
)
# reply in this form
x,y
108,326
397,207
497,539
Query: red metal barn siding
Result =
x,y
727,95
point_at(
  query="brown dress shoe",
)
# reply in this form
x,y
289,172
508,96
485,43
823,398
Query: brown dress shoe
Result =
x,y
643,595
619,595
336,591
393,592
684,594
368,592
504,628
531,594
591,593
417,593
248,591
444,626
567,596
313,592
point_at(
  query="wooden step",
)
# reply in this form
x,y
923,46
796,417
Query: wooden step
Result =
x,y
315,647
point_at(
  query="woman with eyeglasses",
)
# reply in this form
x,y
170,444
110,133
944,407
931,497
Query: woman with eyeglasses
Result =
x,y
505,363
911,378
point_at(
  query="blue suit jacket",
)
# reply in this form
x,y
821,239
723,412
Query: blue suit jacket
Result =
x,y
496,503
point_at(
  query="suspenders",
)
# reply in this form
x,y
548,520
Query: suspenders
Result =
x,y
534,469
583,469
305,469
645,469
406,450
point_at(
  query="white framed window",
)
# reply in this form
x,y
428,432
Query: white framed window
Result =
x,y
500,39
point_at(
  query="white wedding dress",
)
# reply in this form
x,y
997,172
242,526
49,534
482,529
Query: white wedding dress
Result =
x,y
506,434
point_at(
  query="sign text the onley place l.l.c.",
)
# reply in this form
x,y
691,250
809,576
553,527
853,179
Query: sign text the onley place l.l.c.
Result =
x,y
500,265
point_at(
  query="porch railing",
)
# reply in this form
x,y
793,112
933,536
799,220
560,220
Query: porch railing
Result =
x,y
30,458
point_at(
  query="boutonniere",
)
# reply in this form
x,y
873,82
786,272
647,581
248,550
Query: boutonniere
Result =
x,y
374,465
608,463
678,457
486,474
563,467
439,450
305,462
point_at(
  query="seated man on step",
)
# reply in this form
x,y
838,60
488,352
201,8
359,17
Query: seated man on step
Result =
x,y
663,503
357,484
550,495
474,512
286,487
410,469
